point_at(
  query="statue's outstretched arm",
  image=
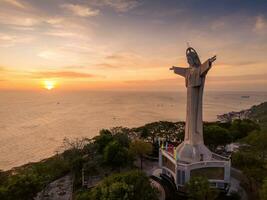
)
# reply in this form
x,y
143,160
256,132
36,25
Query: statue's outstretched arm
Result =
x,y
179,70
205,67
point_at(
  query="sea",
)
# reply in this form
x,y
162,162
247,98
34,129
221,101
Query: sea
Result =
x,y
34,124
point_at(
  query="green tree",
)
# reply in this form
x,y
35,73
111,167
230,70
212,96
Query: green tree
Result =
x,y
144,133
140,148
23,187
131,185
103,139
246,159
241,128
82,195
198,188
263,191
3,193
122,139
252,167
118,190
163,129
215,135
115,155
257,142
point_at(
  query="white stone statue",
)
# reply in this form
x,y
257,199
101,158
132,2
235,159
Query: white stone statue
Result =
x,y
193,148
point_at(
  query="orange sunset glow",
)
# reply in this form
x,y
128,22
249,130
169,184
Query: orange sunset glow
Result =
x,y
49,85
121,45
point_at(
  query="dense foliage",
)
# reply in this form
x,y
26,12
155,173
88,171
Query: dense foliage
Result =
x,y
140,148
26,182
263,191
215,136
198,188
251,159
131,185
115,155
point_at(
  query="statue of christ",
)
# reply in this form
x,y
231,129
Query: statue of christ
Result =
x,y
194,80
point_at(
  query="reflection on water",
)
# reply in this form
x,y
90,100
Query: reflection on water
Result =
x,y
33,124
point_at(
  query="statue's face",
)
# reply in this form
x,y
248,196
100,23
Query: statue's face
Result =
x,y
192,62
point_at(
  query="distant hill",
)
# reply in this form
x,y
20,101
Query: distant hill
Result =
x,y
259,114
256,113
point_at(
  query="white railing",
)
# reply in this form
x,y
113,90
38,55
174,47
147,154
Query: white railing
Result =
x,y
219,157
221,161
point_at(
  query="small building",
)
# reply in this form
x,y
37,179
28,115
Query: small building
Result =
x,y
217,169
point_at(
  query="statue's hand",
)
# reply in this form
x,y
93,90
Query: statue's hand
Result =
x,y
212,59
172,68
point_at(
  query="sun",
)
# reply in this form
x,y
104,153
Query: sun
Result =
x,y
49,84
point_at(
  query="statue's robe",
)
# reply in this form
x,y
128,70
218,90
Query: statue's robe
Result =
x,y
194,81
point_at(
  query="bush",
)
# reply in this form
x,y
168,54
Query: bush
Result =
x,y
241,128
198,188
115,155
132,185
263,191
215,135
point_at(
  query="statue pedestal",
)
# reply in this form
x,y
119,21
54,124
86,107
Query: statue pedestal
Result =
x,y
214,167
193,153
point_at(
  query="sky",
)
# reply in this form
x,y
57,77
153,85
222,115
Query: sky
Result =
x,y
131,44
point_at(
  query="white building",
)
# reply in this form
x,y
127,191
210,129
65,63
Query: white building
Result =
x,y
217,169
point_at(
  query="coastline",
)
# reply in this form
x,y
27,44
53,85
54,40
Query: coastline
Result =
x,y
33,126
227,117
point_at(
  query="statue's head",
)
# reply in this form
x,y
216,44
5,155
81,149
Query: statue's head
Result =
x,y
192,57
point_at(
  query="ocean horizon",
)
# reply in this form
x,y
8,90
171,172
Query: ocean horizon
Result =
x,y
33,124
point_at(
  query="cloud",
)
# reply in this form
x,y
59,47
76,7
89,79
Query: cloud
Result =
x,y
50,55
18,20
7,40
133,60
54,20
2,69
124,56
157,81
226,79
241,78
119,5
106,65
217,25
62,74
260,24
27,19
61,33
15,3
13,16
123,60
241,63
80,10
